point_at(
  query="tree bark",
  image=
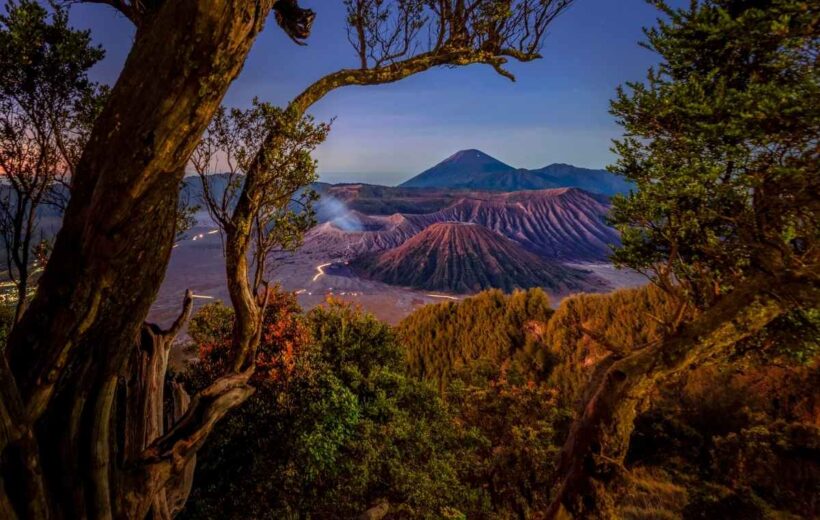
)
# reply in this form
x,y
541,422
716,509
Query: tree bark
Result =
x,y
596,446
248,311
109,258
179,487
145,411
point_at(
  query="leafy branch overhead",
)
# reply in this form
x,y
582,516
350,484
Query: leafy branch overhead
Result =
x,y
721,142
394,40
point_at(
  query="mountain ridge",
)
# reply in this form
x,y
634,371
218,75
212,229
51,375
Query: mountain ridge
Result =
x,y
565,224
450,171
474,169
462,257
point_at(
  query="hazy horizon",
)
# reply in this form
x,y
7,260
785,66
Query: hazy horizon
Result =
x,y
372,178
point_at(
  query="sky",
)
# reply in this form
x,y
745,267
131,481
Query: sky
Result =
x,y
556,111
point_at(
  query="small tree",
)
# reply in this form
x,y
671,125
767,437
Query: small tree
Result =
x,y
47,107
228,151
257,204
721,141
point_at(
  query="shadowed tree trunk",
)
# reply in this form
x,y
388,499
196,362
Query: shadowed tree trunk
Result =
x,y
145,414
178,487
109,258
59,443
596,446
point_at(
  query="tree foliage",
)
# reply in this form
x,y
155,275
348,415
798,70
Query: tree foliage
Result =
x,y
236,144
721,143
340,427
514,427
47,108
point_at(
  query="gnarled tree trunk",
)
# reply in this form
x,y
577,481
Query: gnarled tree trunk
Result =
x,y
59,389
597,443
145,416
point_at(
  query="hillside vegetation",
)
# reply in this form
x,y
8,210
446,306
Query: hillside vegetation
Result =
x,y
461,411
340,426
708,444
491,327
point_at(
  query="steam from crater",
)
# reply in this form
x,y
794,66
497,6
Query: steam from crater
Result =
x,y
330,209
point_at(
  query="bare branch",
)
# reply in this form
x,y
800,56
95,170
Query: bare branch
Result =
x,y
184,315
175,448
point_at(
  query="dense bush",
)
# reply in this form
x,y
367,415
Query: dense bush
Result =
x,y
743,437
744,430
334,426
517,429
491,326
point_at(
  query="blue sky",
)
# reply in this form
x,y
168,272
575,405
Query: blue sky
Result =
x,y
557,111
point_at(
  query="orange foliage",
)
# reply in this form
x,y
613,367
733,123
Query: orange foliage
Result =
x,y
284,334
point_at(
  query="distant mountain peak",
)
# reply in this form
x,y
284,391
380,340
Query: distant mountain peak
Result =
x,y
462,165
559,165
475,170
469,154
474,157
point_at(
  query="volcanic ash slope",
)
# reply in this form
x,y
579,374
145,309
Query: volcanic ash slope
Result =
x,y
466,258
